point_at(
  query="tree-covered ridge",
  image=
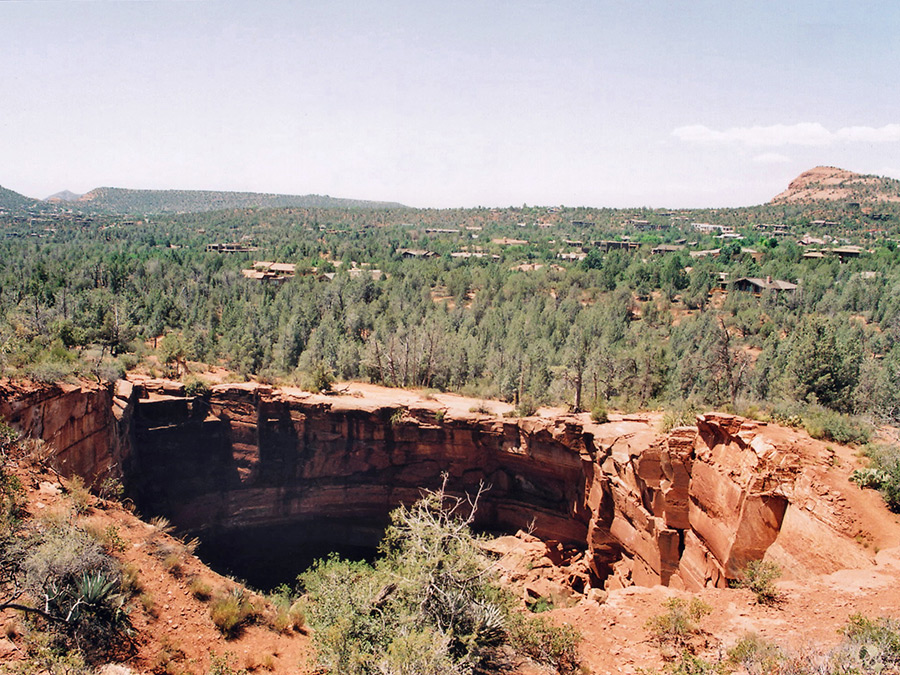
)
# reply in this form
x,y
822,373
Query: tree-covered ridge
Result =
x,y
125,201
13,201
624,326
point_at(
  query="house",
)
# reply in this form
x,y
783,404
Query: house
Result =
x,y
265,270
416,253
757,285
609,245
756,255
234,247
709,228
471,254
575,255
356,272
846,252
666,248
288,269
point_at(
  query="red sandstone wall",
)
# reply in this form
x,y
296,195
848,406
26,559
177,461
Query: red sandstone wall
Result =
x,y
85,425
687,509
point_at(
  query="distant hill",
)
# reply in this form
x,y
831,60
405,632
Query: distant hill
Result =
x,y
13,201
830,184
125,201
64,196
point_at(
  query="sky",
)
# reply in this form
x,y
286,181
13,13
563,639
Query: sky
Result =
x,y
660,103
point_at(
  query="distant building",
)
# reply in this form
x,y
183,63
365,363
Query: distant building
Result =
x,y
609,245
776,230
666,248
474,254
375,274
416,253
645,225
709,228
756,255
575,255
845,252
758,285
264,270
233,247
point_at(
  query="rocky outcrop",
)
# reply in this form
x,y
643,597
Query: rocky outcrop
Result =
x,y
627,504
85,426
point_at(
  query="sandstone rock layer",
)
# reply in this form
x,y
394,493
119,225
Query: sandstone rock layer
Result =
x,y
689,508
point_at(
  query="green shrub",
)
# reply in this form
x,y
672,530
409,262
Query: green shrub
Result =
x,y
77,582
78,494
111,489
679,623
883,474
824,424
200,589
690,664
172,564
599,413
320,379
545,642
755,655
682,416
195,386
526,407
397,417
759,576
429,604
148,602
875,641
131,580
221,665
288,610
869,478
231,611
12,495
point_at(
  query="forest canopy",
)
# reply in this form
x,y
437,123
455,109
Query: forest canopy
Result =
x,y
530,305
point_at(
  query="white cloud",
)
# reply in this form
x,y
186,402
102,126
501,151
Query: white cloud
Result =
x,y
890,133
780,135
772,158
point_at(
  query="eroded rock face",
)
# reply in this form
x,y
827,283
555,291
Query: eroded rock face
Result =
x,y
254,455
86,426
687,509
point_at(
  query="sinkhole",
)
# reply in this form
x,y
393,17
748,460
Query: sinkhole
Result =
x,y
266,556
268,489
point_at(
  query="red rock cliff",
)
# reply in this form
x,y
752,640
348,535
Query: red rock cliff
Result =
x,y
689,508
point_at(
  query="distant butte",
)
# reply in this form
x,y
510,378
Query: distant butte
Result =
x,y
830,184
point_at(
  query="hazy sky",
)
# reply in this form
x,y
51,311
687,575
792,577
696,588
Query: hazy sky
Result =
x,y
452,103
